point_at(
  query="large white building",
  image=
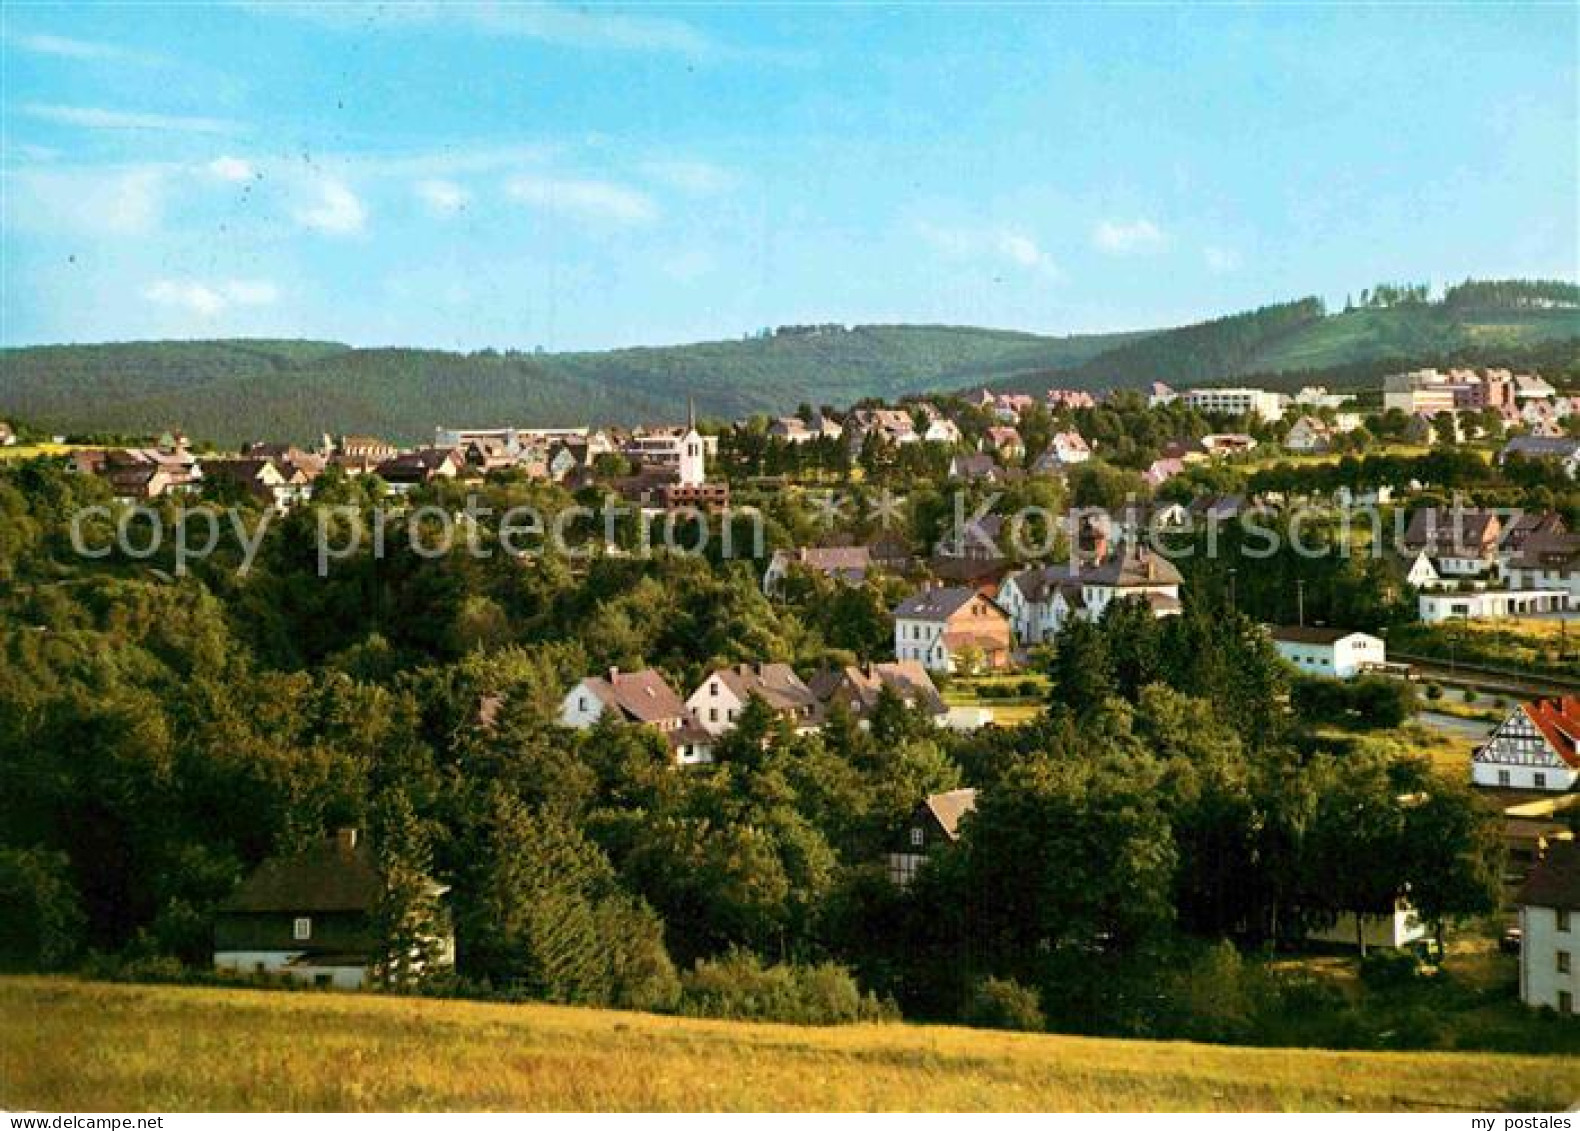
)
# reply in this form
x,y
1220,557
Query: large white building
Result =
x,y
1236,402
1550,930
1335,652
1040,601
1536,747
1489,604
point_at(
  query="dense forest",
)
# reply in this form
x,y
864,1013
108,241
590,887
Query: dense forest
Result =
x,y
1167,816
233,391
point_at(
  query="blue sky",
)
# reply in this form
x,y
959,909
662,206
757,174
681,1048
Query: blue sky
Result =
x,y
583,177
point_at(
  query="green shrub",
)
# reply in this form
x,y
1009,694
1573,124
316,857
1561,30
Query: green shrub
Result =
x,y
1003,1003
738,987
1470,695
1029,689
1434,692
1382,968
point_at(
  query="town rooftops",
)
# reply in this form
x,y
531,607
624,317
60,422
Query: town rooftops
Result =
x,y
906,678
1555,881
936,604
643,696
1133,567
1541,447
337,874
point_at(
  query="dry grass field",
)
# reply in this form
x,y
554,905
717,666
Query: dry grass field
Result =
x,y
69,1045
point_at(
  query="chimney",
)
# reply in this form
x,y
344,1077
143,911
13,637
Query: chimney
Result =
x,y
614,674
345,839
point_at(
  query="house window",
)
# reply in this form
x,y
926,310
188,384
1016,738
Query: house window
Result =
x,y
713,714
916,838
581,702
1563,962
713,688
1566,1001
302,929
1503,777
1563,919
1539,779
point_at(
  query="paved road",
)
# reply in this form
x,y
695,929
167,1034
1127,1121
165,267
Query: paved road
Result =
x,y
1471,730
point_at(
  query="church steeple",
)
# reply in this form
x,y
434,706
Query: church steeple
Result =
x,y
691,414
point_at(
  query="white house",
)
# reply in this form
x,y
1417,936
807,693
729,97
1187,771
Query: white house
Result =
x,y
1308,435
1040,601
849,564
1489,604
1422,573
941,430
1401,927
719,700
643,698
1548,561
936,627
1536,747
1335,652
1549,905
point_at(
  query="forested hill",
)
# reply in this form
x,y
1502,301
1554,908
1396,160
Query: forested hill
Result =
x,y
231,391
235,390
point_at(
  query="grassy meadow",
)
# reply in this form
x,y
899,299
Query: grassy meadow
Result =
x,y
75,1045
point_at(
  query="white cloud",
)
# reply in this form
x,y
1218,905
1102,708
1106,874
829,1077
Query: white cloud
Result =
x,y
338,212
67,47
696,177
1221,260
100,118
111,201
444,198
602,201
230,169
1001,245
1121,238
210,299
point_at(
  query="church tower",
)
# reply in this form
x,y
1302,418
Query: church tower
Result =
x,y
693,469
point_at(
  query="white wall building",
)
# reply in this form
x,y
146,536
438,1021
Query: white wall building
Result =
x,y
1536,747
1236,402
1550,931
1334,652
1489,604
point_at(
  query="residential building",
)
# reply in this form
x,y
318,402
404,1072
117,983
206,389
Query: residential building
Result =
x,y
141,474
1235,402
975,467
641,698
1228,443
939,627
1549,905
934,825
719,700
1005,442
7,435
1066,400
1064,450
1488,604
857,689
311,916
1335,652
365,447
849,564
1159,394
681,452
1040,601
1547,561
1309,435
1562,450
410,470
1461,541
259,477
892,425
1160,471
1537,746
941,430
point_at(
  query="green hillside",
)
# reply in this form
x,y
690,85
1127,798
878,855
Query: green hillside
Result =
x,y
235,390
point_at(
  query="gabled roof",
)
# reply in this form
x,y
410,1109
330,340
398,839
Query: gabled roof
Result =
x,y
906,678
1559,722
1312,634
643,697
949,807
1555,881
776,684
832,559
1130,568
1458,528
938,604
338,874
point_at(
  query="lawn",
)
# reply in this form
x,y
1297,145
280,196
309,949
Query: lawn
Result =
x,y
29,451
1000,694
70,1045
